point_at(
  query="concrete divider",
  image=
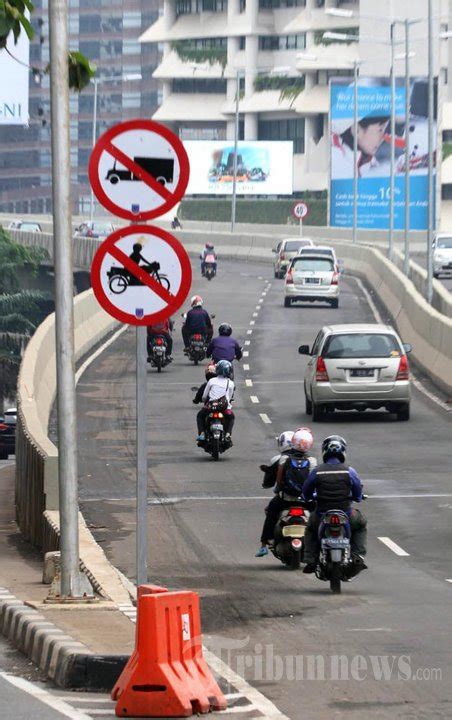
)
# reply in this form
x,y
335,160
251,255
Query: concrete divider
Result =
x,y
36,455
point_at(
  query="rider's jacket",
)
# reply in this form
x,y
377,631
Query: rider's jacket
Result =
x,y
224,347
336,485
198,321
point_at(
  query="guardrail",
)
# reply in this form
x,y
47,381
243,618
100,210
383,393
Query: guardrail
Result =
x,y
36,456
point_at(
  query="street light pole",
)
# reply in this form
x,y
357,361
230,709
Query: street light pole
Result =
x,y
406,257
91,209
236,140
392,162
431,221
64,306
355,150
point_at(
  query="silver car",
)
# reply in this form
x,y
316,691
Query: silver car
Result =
x,y
442,255
355,367
312,277
285,251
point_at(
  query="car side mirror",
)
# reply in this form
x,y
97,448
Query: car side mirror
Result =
x,y
304,350
407,347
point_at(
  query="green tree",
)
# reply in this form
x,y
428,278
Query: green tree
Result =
x,y
20,310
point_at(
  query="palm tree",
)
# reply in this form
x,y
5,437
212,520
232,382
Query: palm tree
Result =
x,y
20,311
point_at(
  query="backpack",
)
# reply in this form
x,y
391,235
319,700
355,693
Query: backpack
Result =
x,y
296,471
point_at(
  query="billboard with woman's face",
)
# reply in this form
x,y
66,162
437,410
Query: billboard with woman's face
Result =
x,y
373,157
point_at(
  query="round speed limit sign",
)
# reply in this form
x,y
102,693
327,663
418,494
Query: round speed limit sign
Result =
x,y
300,210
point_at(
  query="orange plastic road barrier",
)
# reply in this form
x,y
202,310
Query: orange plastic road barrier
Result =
x,y
167,675
123,679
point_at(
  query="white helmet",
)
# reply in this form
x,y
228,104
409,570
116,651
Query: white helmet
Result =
x,y
196,301
302,439
284,440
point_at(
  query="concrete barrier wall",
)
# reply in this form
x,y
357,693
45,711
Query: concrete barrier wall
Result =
x,y
36,455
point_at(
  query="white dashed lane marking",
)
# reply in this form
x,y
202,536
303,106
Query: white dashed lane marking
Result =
x,y
254,399
247,342
265,419
246,367
246,353
249,332
393,546
248,382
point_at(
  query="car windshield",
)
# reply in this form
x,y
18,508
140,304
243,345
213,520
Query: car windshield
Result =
x,y
361,345
312,265
29,226
445,243
292,246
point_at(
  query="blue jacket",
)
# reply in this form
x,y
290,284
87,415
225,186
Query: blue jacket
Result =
x,y
198,321
356,486
224,347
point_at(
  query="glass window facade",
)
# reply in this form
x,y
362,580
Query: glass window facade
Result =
x,y
282,42
275,4
284,130
201,85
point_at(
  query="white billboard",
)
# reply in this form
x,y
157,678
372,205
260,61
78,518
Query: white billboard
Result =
x,y
263,167
14,74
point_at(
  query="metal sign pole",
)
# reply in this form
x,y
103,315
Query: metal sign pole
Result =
x,y
301,227
142,459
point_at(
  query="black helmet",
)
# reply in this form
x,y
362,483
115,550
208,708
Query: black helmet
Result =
x,y
224,329
334,446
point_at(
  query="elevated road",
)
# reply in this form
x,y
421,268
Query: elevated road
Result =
x,y
382,648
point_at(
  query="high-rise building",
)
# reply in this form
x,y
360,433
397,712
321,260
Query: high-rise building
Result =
x,y
107,32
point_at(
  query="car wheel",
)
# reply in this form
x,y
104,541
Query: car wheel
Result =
x,y
307,404
318,412
287,302
3,455
335,303
403,412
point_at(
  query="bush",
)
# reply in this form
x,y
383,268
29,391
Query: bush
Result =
x,y
265,212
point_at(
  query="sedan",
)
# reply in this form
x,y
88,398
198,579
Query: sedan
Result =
x,y
310,278
8,433
95,229
285,251
442,255
25,226
355,367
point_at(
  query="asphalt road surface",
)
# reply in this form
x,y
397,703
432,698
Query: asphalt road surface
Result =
x,y
382,648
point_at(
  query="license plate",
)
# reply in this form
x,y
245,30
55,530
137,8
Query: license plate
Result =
x,y
312,281
216,428
335,542
362,372
293,531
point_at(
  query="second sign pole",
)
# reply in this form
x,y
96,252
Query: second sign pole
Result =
x,y
142,458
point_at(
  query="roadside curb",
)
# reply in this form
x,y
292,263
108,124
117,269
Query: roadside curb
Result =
x,y
67,662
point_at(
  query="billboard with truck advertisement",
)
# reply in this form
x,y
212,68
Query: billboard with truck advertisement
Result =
x,y
263,168
14,74
374,148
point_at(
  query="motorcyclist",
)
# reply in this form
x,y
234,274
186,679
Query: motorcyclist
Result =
x,y
197,321
293,468
336,485
163,329
224,347
218,387
211,372
208,250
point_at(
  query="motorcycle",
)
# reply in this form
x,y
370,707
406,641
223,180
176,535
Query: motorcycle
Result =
x,y
157,352
197,348
288,536
335,561
210,267
215,443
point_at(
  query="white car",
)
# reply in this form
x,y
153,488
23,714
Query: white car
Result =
x,y
286,250
324,250
442,255
25,226
312,277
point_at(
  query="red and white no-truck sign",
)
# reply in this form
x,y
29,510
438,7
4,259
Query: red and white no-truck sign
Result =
x,y
300,210
141,275
139,170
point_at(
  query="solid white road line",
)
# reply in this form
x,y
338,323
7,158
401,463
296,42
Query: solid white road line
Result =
x,y
417,384
254,399
246,367
98,352
265,419
449,580
236,709
393,546
249,497
75,698
45,697
382,629
101,712
248,382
